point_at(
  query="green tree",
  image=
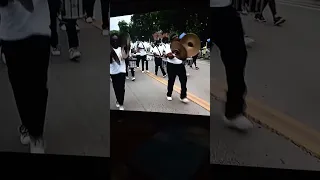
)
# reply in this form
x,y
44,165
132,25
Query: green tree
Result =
x,y
114,32
142,26
123,27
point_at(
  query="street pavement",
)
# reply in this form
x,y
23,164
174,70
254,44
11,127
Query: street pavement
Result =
x,y
283,64
147,94
282,72
77,120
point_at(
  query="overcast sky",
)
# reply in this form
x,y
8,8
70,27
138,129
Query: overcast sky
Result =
x,y
114,21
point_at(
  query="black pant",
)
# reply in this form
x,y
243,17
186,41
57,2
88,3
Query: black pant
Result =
x,y
54,9
27,62
158,63
88,6
72,32
194,60
143,60
118,82
228,36
127,68
105,13
180,71
272,5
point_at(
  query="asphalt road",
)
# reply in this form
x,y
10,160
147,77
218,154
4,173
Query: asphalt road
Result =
x,y
77,120
282,72
283,65
258,148
147,94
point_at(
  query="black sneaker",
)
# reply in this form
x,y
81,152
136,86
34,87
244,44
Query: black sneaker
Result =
x,y
278,21
259,18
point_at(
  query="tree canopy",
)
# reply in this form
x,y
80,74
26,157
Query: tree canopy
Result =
x,y
142,26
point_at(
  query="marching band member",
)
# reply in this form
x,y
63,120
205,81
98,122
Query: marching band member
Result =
x,y
89,7
129,66
194,61
54,7
175,67
25,34
158,53
71,11
142,56
117,70
228,36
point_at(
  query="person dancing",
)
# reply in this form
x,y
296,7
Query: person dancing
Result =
x,y
227,34
27,54
175,67
117,70
157,52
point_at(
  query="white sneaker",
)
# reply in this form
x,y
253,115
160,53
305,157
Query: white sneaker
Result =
x,y
77,28
249,41
24,135
127,77
63,27
241,123
164,76
133,78
169,98
184,100
105,32
121,108
142,71
89,20
37,146
74,53
148,71
117,105
55,51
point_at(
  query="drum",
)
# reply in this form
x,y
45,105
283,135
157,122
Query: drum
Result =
x,y
133,63
72,9
149,57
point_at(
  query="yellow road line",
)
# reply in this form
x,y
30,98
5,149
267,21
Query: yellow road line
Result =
x,y
299,133
190,96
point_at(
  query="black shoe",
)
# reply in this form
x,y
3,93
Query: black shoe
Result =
x,y
259,18
278,21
